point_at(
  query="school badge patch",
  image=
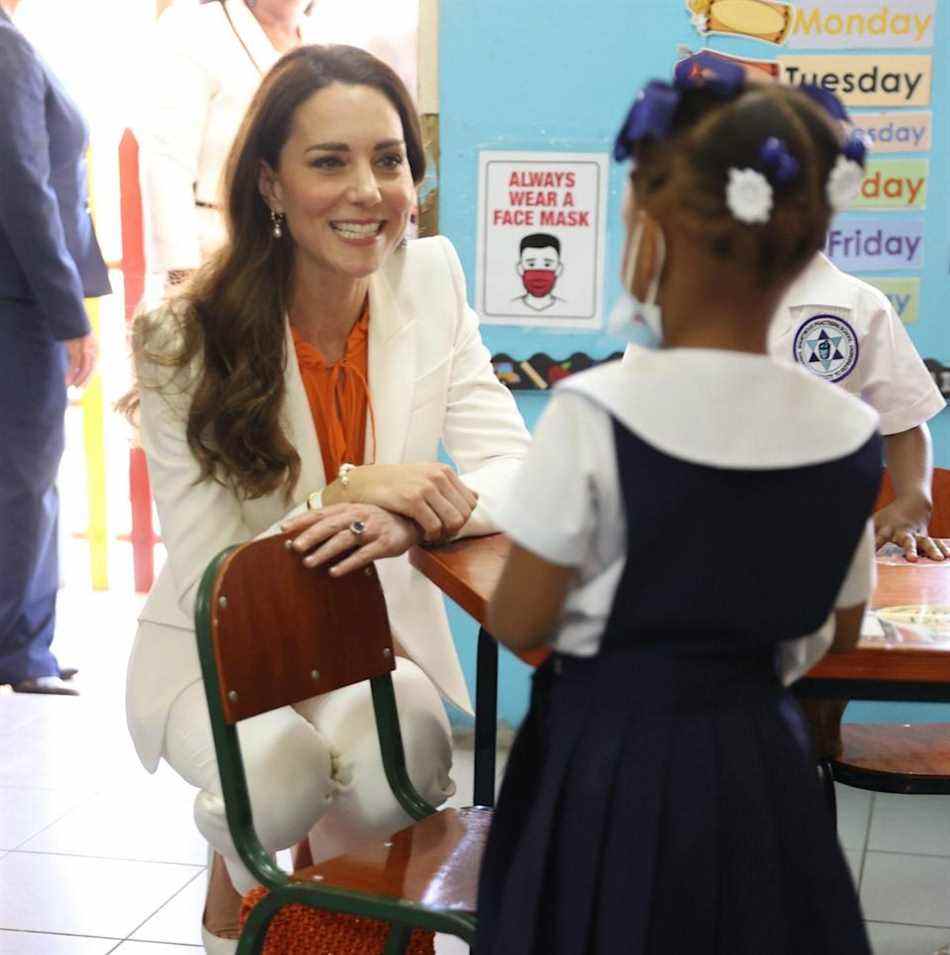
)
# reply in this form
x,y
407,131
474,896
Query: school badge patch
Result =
x,y
827,346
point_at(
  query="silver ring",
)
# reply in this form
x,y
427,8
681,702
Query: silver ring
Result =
x,y
358,527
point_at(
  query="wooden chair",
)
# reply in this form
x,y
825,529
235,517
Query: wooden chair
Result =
x,y
894,758
272,633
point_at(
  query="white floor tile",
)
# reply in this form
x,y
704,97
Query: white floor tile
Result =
x,y
855,858
69,751
151,827
854,809
178,921
17,710
889,939
35,943
25,811
911,824
910,889
74,895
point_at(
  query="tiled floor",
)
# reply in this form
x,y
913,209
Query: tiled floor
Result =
x,y
98,857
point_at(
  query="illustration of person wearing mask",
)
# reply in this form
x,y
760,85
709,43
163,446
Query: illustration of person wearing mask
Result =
x,y
540,266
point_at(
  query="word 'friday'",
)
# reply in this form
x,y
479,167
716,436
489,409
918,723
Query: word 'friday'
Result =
x,y
854,243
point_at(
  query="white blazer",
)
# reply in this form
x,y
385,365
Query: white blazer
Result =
x,y
431,380
204,75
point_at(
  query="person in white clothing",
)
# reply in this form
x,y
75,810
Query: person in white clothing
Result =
x,y
209,59
845,331
304,380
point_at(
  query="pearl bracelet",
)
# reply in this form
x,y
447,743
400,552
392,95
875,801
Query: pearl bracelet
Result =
x,y
343,475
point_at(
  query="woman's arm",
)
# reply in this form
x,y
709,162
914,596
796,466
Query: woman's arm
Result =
x,y
429,493
483,431
199,518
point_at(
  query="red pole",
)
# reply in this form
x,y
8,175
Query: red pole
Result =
x,y
133,273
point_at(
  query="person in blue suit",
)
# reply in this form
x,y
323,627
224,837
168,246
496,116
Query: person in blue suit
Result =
x,y
49,262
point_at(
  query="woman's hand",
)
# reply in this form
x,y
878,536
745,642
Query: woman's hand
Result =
x,y
904,523
325,535
431,494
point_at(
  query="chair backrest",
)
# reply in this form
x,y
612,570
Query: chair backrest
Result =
x,y
281,633
940,488
271,633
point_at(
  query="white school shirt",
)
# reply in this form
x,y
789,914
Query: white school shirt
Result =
x,y
728,410
202,82
845,331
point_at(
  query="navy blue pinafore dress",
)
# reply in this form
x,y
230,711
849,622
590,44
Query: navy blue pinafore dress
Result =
x,y
662,797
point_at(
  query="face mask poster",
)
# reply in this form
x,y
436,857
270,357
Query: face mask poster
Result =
x,y
541,237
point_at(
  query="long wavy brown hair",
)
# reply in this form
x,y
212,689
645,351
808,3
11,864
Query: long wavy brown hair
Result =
x,y
227,325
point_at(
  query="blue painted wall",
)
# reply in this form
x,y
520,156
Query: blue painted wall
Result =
x,y
560,76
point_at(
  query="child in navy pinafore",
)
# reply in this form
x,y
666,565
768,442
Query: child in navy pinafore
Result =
x,y
685,522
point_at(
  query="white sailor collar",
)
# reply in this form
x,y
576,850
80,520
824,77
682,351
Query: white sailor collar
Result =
x,y
821,283
727,409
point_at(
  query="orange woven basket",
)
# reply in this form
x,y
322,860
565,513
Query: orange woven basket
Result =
x,y
301,930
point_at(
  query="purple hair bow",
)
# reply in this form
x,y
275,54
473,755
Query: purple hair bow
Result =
x,y
705,70
827,101
780,165
652,112
855,147
650,117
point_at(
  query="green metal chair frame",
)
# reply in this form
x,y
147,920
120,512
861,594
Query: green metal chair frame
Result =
x,y
402,915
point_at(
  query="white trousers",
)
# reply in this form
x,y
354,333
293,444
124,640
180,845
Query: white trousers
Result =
x,y
314,768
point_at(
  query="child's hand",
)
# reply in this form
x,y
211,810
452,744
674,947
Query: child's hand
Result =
x,y
904,523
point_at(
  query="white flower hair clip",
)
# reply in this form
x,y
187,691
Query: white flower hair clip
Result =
x,y
844,183
749,193
749,196
845,178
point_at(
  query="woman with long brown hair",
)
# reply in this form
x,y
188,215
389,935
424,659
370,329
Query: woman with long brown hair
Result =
x,y
304,380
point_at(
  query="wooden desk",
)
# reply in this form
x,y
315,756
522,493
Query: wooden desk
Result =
x,y
911,667
466,571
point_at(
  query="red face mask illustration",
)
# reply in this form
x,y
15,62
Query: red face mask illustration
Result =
x,y
539,282
539,266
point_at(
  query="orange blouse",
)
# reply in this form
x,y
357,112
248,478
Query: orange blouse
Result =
x,y
338,395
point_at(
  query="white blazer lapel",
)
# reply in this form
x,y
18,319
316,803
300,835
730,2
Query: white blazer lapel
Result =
x,y
300,429
392,358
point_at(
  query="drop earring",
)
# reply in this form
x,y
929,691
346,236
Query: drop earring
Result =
x,y
277,219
